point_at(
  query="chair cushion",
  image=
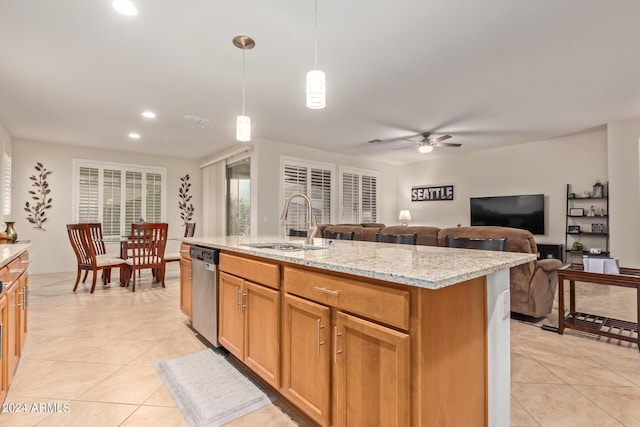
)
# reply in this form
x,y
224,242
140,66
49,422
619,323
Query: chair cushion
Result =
x,y
104,261
173,256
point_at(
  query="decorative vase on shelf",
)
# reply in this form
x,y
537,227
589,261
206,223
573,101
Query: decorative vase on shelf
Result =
x,y
12,236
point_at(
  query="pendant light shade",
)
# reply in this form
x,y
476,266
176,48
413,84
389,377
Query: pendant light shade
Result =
x,y
243,122
243,128
316,84
316,89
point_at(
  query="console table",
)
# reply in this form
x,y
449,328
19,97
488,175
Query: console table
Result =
x,y
593,323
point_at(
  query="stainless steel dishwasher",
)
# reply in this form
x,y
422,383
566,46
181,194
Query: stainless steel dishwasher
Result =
x,y
204,274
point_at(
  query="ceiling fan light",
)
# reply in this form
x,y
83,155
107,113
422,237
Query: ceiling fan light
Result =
x,y
125,7
243,128
316,89
425,148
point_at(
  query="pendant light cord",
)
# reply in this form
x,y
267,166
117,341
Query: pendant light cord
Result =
x,y
243,68
315,36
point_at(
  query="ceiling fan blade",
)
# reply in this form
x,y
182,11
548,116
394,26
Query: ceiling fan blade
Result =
x,y
446,144
402,138
440,138
403,148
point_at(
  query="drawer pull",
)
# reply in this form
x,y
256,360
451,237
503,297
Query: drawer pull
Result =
x,y
327,291
335,344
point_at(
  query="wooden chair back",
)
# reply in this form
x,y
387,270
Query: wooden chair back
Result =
x,y
80,238
345,235
297,233
148,243
497,244
189,229
95,232
403,239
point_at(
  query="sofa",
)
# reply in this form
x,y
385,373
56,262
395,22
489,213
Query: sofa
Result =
x,y
533,285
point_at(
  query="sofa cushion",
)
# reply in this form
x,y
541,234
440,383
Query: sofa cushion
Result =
x,y
427,236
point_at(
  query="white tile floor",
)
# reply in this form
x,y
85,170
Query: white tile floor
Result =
x,y
96,353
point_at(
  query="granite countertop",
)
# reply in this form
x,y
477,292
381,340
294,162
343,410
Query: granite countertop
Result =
x,y
10,251
428,267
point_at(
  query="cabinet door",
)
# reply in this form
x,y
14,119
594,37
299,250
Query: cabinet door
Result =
x,y
12,329
307,357
185,287
372,374
3,352
230,314
262,343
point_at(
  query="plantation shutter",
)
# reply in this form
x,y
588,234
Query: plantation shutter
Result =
x,y
111,202
88,187
133,199
154,197
295,181
350,198
369,198
6,184
320,194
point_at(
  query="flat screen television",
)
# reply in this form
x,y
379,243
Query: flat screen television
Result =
x,y
524,211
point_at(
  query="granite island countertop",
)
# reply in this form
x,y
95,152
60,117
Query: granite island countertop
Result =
x,y
428,267
9,251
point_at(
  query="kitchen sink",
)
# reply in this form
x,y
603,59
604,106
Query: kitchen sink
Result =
x,y
284,246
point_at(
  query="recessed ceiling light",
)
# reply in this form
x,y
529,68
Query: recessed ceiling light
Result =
x,y
125,7
134,135
149,114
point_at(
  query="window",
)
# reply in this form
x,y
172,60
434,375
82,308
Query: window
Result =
x,y
312,179
118,195
6,183
358,195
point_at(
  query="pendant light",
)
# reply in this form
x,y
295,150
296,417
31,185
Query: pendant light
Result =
x,y
243,123
316,86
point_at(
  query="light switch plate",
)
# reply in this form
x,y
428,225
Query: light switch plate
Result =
x,y
506,300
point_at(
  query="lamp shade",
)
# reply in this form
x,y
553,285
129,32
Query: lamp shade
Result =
x,y
425,148
404,216
316,89
243,128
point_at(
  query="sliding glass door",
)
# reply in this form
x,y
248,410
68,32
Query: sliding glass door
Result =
x,y
239,198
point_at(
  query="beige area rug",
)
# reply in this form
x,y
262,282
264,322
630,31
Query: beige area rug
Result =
x,y
209,389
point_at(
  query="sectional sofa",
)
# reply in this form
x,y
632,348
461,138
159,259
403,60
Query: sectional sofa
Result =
x,y
533,285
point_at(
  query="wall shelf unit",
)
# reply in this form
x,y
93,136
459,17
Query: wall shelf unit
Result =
x,y
586,224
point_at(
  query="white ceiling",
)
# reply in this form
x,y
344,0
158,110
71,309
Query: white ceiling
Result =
x,y
490,73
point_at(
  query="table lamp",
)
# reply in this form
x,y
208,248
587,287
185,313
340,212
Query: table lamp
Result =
x,y
404,216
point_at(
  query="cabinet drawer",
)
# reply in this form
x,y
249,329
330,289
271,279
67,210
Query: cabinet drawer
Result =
x,y
254,270
381,303
184,251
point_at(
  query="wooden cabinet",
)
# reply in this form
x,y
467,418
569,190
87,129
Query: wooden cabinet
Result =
x,y
306,359
22,302
185,287
372,374
249,314
4,383
185,281
328,351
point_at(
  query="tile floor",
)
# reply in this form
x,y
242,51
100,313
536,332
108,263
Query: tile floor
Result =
x,y
96,354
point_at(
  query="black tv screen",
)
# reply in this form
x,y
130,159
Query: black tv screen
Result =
x,y
526,212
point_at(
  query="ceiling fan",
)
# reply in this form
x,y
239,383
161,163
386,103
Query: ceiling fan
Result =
x,y
425,143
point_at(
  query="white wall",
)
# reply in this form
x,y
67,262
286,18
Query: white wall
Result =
x,y
624,179
51,249
5,146
538,167
269,203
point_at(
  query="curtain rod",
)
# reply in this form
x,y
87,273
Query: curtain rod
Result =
x,y
227,155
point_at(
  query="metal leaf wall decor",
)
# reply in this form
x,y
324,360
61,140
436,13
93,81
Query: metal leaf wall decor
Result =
x,y
184,200
41,200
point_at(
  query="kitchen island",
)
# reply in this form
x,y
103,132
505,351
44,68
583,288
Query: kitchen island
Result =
x,y
362,333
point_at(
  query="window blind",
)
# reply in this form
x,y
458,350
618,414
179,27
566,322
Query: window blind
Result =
x,y
6,184
88,195
358,196
313,181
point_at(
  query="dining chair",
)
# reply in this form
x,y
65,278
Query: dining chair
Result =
x,y
97,239
495,244
81,241
403,239
148,242
189,230
337,235
297,233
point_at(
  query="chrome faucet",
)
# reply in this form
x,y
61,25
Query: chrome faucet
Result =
x,y
312,225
